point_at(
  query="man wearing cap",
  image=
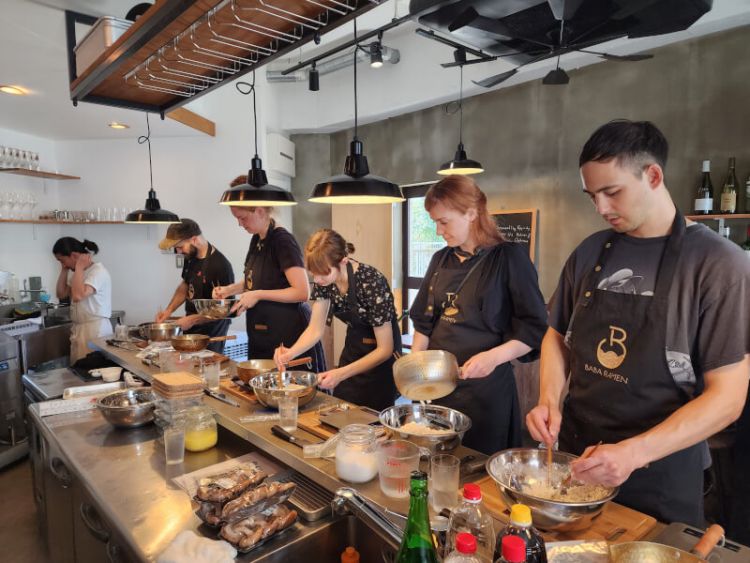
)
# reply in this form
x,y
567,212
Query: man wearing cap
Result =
x,y
205,268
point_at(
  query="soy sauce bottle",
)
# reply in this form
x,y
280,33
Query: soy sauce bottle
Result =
x,y
520,525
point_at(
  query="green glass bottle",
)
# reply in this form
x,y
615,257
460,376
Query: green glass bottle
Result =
x,y
417,546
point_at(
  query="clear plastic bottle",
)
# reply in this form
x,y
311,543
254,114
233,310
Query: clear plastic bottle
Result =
x,y
465,552
520,525
512,550
470,516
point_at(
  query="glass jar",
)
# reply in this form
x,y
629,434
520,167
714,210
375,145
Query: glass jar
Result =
x,y
200,429
356,460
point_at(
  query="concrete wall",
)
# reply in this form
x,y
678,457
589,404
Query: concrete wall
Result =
x,y
528,136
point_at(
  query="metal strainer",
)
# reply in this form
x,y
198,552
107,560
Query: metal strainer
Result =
x,y
427,375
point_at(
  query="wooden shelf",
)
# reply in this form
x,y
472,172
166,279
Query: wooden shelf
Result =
x,y
717,217
45,222
38,174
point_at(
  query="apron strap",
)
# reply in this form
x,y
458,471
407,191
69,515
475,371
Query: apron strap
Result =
x,y
433,309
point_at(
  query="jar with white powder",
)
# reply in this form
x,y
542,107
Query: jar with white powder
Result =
x,y
356,460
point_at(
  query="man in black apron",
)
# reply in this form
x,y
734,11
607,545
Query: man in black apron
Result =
x,y
627,300
204,268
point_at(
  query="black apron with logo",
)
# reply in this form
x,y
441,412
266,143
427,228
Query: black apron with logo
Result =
x,y
621,385
270,323
198,289
490,402
375,388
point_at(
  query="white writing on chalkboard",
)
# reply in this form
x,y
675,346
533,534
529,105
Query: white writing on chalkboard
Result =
x,y
516,233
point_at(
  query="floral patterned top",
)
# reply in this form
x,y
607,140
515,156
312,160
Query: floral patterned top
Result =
x,y
373,294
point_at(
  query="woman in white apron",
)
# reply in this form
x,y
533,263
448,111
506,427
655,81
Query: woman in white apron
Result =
x,y
88,286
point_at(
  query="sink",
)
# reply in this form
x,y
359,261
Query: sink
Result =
x,y
326,542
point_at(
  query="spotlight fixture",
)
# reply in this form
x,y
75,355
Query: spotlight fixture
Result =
x,y
118,125
313,78
152,212
13,90
257,192
461,164
356,184
376,54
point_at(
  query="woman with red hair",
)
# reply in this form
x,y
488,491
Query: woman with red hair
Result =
x,y
480,300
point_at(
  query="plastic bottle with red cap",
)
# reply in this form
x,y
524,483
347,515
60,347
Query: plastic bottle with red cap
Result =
x,y
513,550
466,550
471,517
521,525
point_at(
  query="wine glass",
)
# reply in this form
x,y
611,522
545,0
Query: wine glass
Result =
x,y
35,161
33,202
4,154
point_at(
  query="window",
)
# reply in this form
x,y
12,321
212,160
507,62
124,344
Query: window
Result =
x,y
420,242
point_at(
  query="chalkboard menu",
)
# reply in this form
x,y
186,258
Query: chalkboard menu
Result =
x,y
519,225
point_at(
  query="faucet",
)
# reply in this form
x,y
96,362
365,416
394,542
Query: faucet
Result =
x,y
348,500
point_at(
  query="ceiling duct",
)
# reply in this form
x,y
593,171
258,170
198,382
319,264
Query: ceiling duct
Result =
x,y
332,64
523,30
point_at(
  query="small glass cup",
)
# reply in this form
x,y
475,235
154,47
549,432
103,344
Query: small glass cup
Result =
x,y
168,360
174,444
288,407
122,332
211,373
444,477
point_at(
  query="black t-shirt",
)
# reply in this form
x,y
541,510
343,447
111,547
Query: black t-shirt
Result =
x,y
508,294
268,258
372,293
202,275
708,318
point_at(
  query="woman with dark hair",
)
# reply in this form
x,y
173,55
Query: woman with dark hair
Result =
x,y
88,287
274,292
479,300
358,295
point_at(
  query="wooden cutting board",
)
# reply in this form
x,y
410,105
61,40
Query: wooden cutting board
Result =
x,y
310,422
230,388
616,523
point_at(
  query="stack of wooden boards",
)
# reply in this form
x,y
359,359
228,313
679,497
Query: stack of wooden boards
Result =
x,y
177,385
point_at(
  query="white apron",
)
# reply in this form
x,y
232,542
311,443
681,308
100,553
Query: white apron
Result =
x,y
85,327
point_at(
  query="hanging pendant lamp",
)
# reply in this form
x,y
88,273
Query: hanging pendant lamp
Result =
x,y
152,212
256,192
461,164
356,184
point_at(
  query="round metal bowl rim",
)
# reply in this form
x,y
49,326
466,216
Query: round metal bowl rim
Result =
x,y
267,375
412,407
99,402
497,481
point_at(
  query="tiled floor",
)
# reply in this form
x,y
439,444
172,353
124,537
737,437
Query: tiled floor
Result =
x,y
19,535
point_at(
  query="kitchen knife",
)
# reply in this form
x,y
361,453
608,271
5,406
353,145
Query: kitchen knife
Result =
x,y
221,397
291,438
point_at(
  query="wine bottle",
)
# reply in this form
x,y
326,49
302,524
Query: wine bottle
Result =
x,y
704,201
747,194
729,191
417,545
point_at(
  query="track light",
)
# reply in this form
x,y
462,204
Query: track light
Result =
x,y
313,79
376,54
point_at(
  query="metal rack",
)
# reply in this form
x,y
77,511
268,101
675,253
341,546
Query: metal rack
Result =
x,y
161,62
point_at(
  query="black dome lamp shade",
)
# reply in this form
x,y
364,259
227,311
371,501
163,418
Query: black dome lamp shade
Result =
x,y
356,185
152,213
256,192
461,163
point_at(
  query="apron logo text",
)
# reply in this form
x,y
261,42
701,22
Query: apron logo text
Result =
x,y
606,374
611,359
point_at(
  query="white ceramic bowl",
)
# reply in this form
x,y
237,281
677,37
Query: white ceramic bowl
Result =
x,y
109,375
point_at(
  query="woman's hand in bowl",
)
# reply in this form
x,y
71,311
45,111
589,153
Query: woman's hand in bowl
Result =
x,y
219,292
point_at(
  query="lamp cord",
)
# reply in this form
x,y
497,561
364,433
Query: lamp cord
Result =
x,y
461,106
147,139
355,79
247,88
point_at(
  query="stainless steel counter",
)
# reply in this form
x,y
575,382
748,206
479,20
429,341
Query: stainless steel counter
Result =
x,y
50,384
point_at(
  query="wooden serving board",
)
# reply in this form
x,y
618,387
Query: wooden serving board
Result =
x,y
227,386
616,523
310,422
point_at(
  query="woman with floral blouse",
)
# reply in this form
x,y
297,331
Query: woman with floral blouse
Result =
x,y
358,295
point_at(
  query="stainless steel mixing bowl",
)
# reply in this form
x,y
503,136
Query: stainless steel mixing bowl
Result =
x,y
516,468
426,375
128,408
159,332
266,387
214,308
455,424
